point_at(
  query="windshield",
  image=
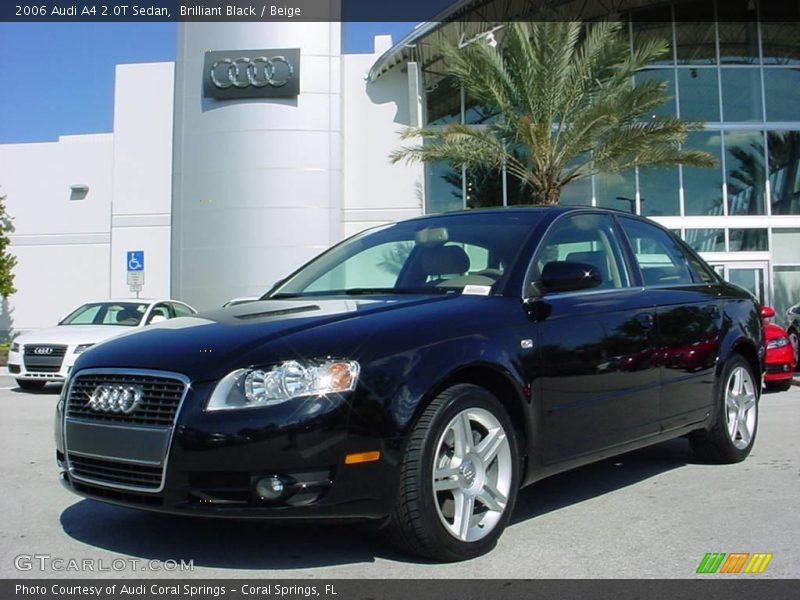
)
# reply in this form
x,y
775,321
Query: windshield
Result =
x,y
107,313
434,255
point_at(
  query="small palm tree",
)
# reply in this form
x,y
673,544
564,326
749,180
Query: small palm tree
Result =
x,y
566,108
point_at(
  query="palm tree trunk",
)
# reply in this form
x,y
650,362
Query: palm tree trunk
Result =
x,y
546,197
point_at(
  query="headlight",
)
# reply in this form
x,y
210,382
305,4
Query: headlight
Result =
x,y
248,388
81,347
15,347
777,343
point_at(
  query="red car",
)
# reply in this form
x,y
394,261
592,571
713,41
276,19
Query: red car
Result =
x,y
780,355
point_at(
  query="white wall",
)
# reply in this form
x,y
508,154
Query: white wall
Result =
x,y
376,191
257,182
61,245
142,199
71,251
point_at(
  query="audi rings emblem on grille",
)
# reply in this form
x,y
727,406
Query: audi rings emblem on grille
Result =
x,y
257,72
42,350
119,399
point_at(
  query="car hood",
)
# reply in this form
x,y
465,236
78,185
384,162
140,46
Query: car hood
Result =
x,y
72,334
208,345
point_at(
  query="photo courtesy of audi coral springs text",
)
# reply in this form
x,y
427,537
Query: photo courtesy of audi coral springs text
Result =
x,y
418,374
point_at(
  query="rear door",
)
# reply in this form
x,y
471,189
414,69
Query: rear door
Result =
x,y
688,321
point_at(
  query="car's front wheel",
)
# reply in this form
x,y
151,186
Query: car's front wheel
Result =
x,y
459,477
27,384
731,438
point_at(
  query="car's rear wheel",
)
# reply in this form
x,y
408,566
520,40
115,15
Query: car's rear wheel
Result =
x,y
795,341
732,436
27,384
459,477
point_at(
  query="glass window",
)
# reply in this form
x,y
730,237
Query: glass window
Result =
x,y
484,187
787,288
786,246
741,95
443,101
654,23
701,271
616,190
159,310
429,255
584,238
576,193
181,310
122,313
738,31
442,188
699,94
657,253
705,240
477,113
702,188
748,240
784,171
779,32
780,91
658,191
745,177
695,33
667,76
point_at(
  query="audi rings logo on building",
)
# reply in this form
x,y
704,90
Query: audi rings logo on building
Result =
x,y
258,72
115,398
251,73
42,350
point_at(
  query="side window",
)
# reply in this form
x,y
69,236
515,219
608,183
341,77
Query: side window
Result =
x,y
161,311
658,254
181,310
582,238
700,270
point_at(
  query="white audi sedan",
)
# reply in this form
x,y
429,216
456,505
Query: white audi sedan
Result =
x,y
47,355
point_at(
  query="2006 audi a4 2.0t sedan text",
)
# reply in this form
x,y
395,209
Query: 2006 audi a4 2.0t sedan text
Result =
x,y
418,374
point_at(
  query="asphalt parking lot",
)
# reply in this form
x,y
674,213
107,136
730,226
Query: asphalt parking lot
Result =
x,y
652,513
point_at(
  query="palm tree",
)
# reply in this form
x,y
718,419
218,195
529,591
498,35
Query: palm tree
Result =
x,y
566,108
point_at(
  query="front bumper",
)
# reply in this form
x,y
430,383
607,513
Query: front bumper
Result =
x,y
23,367
780,364
212,461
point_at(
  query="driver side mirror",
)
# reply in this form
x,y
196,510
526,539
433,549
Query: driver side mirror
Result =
x,y
767,312
567,276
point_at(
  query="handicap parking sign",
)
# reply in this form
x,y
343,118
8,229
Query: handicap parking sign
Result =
x,y
135,261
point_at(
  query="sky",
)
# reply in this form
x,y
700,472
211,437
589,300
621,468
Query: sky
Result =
x,y
58,78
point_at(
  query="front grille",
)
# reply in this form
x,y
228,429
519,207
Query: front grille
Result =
x,y
115,472
160,399
45,350
44,359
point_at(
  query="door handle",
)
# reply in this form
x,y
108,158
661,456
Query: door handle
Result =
x,y
645,320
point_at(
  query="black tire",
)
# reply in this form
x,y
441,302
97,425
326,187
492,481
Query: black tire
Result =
x,y
716,444
778,386
31,386
416,524
794,339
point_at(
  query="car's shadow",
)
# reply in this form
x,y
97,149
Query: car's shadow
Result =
x,y
237,544
51,389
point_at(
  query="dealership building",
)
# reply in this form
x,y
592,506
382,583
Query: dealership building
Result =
x,y
264,144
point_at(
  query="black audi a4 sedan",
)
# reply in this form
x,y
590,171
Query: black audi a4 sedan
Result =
x,y
418,374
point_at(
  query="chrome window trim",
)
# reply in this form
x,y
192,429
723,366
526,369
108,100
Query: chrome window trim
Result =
x,y
146,372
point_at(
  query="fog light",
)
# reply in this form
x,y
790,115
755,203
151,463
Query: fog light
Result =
x,y
270,488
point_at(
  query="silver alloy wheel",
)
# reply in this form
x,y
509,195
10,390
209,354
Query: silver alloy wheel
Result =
x,y
741,407
472,472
